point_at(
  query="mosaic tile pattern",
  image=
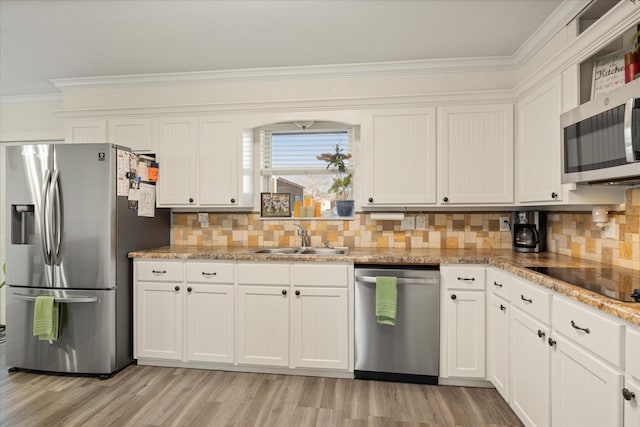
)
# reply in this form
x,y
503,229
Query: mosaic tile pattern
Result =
x,y
575,234
443,230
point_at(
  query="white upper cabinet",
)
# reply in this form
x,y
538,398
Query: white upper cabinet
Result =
x,y
85,131
177,154
475,154
538,144
134,133
218,161
403,157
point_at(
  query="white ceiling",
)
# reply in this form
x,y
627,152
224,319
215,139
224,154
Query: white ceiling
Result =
x,y
49,39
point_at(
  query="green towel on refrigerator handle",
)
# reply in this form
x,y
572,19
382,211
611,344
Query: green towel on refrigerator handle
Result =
x,y
46,318
386,300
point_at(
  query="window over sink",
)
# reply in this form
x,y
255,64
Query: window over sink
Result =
x,y
299,158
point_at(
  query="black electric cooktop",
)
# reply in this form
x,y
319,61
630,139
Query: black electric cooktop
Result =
x,y
618,283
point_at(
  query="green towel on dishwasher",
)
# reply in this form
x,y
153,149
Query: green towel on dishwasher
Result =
x,y
386,300
46,318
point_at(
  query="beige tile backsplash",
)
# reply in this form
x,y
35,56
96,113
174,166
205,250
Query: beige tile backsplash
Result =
x,y
567,233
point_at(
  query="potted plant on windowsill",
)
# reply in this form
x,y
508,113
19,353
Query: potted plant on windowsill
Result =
x,y
337,161
632,59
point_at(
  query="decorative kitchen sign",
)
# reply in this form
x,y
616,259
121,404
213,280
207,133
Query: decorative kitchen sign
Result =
x,y
275,204
608,73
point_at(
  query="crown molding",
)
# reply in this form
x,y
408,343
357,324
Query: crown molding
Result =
x,y
564,14
30,99
431,66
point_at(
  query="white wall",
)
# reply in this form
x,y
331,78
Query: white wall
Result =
x,y
21,120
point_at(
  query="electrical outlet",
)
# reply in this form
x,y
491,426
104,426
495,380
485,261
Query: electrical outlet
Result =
x,y
505,224
203,217
421,222
409,223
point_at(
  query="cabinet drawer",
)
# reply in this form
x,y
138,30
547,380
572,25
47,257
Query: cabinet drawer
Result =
x,y
632,351
604,336
498,282
209,272
320,274
462,277
531,299
160,271
266,273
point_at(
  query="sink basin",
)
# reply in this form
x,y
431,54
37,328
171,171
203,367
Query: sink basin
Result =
x,y
300,251
275,251
322,251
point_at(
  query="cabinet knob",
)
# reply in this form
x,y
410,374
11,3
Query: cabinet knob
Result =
x,y
189,289
298,293
502,307
453,296
554,195
284,292
552,342
233,200
445,199
177,288
627,394
190,199
370,199
541,334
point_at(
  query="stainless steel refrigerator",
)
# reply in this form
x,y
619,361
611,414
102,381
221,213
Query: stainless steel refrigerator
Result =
x,y
68,235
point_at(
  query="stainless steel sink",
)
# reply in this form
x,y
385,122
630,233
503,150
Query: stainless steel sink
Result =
x,y
276,251
322,251
300,251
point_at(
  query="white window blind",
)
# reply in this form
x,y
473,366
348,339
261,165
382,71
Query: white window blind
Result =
x,y
295,153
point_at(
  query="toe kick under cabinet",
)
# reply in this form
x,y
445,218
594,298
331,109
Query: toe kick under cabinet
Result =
x,y
245,316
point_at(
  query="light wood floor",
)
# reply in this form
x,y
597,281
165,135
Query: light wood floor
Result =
x,y
151,396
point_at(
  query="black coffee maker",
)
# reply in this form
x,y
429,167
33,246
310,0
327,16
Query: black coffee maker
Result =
x,y
529,231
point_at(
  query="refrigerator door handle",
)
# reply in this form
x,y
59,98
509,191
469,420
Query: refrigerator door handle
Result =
x,y
44,220
57,214
65,300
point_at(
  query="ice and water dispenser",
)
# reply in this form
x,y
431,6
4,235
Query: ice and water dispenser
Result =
x,y
22,224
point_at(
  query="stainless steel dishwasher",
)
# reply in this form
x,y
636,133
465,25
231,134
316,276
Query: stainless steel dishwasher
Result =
x,y
410,350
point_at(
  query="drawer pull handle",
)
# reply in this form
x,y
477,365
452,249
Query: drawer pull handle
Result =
x,y
628,395
499,285
502,307
205,274
467,279
541,334
574,326
526,299
159,272
552,342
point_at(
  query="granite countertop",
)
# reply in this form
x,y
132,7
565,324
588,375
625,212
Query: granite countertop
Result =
x,y
507,260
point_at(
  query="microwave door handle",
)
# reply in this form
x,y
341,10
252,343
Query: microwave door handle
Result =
x,y
536,238
628,141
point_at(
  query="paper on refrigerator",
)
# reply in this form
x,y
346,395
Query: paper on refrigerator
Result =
x,y
146,200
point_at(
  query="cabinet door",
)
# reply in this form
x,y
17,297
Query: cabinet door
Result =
x,y
158,320
210,326
320,328
177,156
404,158
263,325
465,334
538,144
631,406
134,133
475,154
85,131
218,161
530,369
584,390
498,344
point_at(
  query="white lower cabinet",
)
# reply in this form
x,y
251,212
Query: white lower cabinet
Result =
x,y
158,320
530,368
462,305
498,344
631,396
585,391
263,325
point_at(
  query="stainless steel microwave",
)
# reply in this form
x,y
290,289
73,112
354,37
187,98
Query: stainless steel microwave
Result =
x,y
601,139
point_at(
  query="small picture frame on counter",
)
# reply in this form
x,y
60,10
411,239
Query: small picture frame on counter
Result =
x,y
273,205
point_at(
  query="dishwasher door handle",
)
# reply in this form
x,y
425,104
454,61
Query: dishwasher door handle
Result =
x,y
401,280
